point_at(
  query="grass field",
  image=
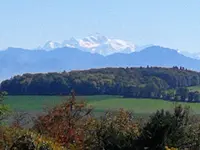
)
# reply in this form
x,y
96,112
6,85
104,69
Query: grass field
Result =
x,y
99,103
194,88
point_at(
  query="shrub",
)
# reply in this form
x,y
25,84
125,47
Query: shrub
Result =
x,y
65,123
21,139
113,131
4,109
4,112
172,129
72,125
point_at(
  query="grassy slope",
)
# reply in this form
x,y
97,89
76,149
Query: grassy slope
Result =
x,y
37,103
194,88
100,103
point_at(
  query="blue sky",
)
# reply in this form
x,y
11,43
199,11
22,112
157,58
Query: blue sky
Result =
x,y
170,23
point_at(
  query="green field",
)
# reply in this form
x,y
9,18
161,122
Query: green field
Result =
x,y
99,103
194,88
38,103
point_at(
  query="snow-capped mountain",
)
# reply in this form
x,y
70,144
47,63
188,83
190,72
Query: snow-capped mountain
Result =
x,y
94,44
51,45
191,55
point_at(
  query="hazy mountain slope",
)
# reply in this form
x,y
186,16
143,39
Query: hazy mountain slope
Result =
x,y
17,61
155,56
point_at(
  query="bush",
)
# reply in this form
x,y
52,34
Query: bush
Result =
x,y
115,131
172,129
4,112
21,139
65,123
72,125
4,109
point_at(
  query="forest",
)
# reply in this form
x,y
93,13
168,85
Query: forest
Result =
x,y
141,82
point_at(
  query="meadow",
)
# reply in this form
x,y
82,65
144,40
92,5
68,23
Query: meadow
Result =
x,y
194,88
100,103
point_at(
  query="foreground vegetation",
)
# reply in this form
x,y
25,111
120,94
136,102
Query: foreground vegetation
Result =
x,y
71,125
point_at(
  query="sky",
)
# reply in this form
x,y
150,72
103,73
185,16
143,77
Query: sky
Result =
x,y
170,23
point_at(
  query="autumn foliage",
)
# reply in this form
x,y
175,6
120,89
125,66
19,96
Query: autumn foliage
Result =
x,y
65,123
72,126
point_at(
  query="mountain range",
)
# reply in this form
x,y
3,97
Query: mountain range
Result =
x,y
14,61
95,44
94,51
99,44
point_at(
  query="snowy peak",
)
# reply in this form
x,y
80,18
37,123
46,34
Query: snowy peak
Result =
x,y
72,42
95,44
51,45
96,38
106,46
120,44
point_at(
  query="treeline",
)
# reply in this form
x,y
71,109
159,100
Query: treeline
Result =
x,y
143,81
178,94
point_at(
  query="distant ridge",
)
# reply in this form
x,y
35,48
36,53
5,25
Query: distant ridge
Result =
x,y
15,61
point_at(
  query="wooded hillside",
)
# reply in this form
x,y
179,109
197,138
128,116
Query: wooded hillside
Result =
x,y
113,81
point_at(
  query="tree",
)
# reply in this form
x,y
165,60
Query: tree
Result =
x,y
131,91
191,96
151,90
4,110
165,128
65,122
170,95
183,93
196,96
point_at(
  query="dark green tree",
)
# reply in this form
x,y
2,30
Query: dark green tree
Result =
x,y
165,128
183,93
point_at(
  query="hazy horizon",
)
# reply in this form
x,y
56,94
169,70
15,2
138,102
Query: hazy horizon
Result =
x,y
29,24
